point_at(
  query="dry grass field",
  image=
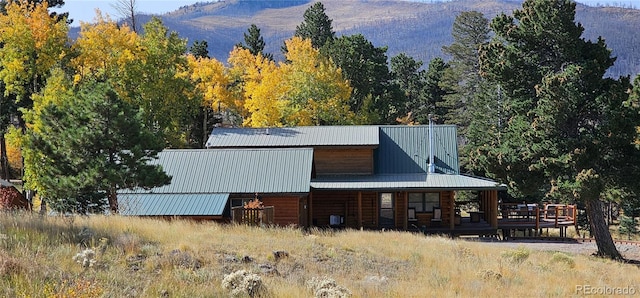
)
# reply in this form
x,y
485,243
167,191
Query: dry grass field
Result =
x,y
113,256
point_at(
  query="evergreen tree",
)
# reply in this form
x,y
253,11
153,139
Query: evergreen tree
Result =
x,y
374,97
200,49
568,132
410,79
87,145
470,30
316,26
254,42
434,92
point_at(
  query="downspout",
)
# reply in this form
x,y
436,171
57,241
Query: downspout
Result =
x,y
432,165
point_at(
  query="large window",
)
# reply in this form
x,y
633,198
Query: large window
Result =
x,y
424,201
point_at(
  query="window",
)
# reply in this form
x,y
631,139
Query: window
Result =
x,y
424,201
239,202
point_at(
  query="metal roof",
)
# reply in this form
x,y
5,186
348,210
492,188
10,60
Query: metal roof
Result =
x,y
301,136
283,170
433,181
172,204
405,149
6,183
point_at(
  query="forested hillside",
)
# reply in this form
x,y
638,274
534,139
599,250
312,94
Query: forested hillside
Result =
x,y
417,29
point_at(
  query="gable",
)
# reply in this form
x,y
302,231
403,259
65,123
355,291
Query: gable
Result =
x,y
405,149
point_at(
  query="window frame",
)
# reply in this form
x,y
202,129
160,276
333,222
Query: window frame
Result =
x,y
425,202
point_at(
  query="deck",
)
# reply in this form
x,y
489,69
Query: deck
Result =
x,y
530,219
465,228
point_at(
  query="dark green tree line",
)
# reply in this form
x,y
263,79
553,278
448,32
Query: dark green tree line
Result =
x,y
563,130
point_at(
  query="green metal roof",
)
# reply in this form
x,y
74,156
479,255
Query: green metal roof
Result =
x,y
405,149
424,181
283,170
172,204
301,136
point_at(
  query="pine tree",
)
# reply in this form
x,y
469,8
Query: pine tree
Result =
x,y
199,49
365,66
568,132
87,144
254,42
470,30
316,26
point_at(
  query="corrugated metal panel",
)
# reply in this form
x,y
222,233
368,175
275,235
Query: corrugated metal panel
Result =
x,y
424,181
302,136
6,183
405,149
172,204
285,170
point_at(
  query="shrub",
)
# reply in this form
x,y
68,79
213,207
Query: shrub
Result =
x,y
559,257
516,256
327,288
86,258
242,283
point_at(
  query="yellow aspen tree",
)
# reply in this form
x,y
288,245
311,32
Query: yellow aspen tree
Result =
x,y
104,48
318,93
32,43
260,90
211,82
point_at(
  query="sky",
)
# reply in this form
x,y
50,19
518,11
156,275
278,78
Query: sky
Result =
x,y
84,10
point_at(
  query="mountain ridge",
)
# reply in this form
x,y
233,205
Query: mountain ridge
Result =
x,y
419,29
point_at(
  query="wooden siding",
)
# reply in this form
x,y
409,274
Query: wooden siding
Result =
x,y
331,161
401,210
447,205
345,204
286,210
489,205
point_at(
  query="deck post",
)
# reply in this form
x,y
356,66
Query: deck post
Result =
x,y
310,210
493,206
405,207
452,211
360,210
537,220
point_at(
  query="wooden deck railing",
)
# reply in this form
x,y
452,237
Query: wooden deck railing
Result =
x,y
559,214
252,216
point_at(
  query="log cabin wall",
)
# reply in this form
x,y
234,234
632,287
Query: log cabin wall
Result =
x,y
401,210
335,161
489,205
447,205
286,209
345,204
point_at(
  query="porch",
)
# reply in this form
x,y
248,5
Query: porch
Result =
x,y
532,219
466,227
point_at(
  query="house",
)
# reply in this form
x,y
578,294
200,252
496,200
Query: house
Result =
x,y
371,177
11,198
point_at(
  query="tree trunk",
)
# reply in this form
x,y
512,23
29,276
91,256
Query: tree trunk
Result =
x,y
113,200
4,160
606,247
